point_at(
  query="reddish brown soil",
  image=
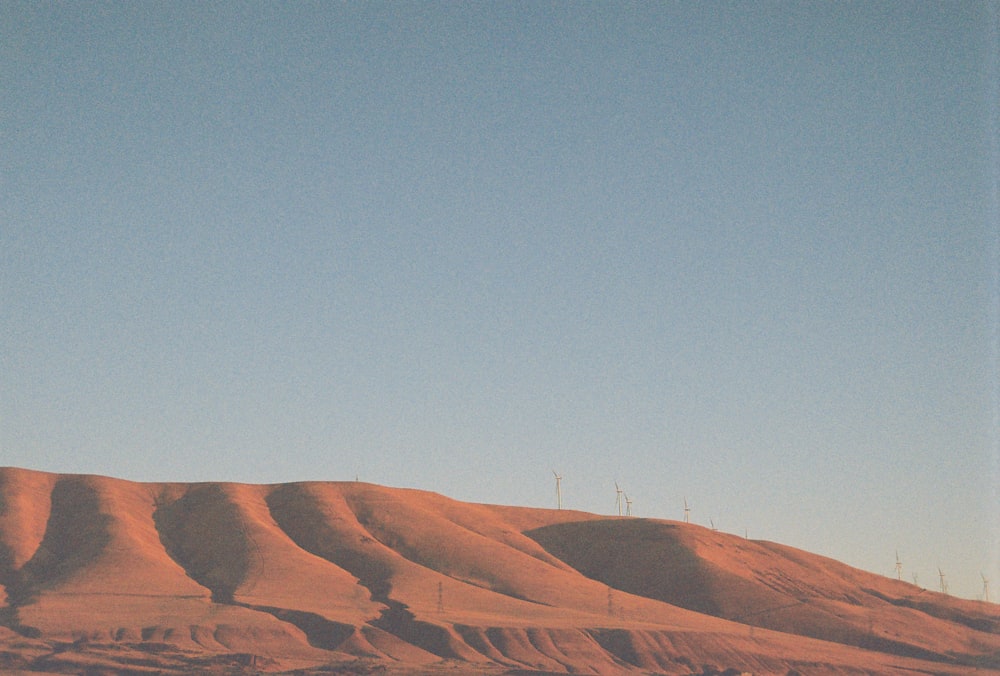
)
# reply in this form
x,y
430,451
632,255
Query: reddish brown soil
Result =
x,y
107,576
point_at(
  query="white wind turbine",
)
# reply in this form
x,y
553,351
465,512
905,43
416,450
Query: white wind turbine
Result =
x,y
944,582
558,489
986,588
618,498
687,511
899,567
628,505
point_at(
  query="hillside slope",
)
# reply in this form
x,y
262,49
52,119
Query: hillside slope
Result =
x,y
106,573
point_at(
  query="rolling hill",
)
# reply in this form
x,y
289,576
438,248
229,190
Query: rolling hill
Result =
x,y
108,575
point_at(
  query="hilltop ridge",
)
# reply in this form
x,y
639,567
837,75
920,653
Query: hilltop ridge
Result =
x,y
169,577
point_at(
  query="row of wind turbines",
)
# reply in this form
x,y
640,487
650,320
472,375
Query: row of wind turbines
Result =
x,y
943,580
623,505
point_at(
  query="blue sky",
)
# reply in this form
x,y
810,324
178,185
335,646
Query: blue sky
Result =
x,y
740,253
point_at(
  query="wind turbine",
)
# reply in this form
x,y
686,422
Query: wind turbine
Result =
x,y
687,511
618,499
899,567
944,582
628,505
711,522
558,489
986,588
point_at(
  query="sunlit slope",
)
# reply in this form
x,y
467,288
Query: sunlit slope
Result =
x,y
303,575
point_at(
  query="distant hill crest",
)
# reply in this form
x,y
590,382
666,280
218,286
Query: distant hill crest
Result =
x,y
111,574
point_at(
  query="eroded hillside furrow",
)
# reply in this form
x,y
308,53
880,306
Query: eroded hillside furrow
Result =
x,y
516,644
319,631
476,638
112,575
399,621
203,532
17,593
76,532
573,647
25,507
415,528
319,528
308,522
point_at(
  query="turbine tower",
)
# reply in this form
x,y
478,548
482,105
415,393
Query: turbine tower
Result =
x,y
558,489
687,511
618,499
944,582
628,505
986,588
899,567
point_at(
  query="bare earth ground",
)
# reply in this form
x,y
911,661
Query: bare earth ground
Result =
x,y
100,575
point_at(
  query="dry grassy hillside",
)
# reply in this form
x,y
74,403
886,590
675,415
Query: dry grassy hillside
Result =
x,y
105,574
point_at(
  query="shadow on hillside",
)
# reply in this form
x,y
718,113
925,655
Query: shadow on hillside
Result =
x,y
204,533
297,513
637,556
320,632
653,559
76,534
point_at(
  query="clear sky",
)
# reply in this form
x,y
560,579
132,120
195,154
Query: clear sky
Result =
x,y
740,253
